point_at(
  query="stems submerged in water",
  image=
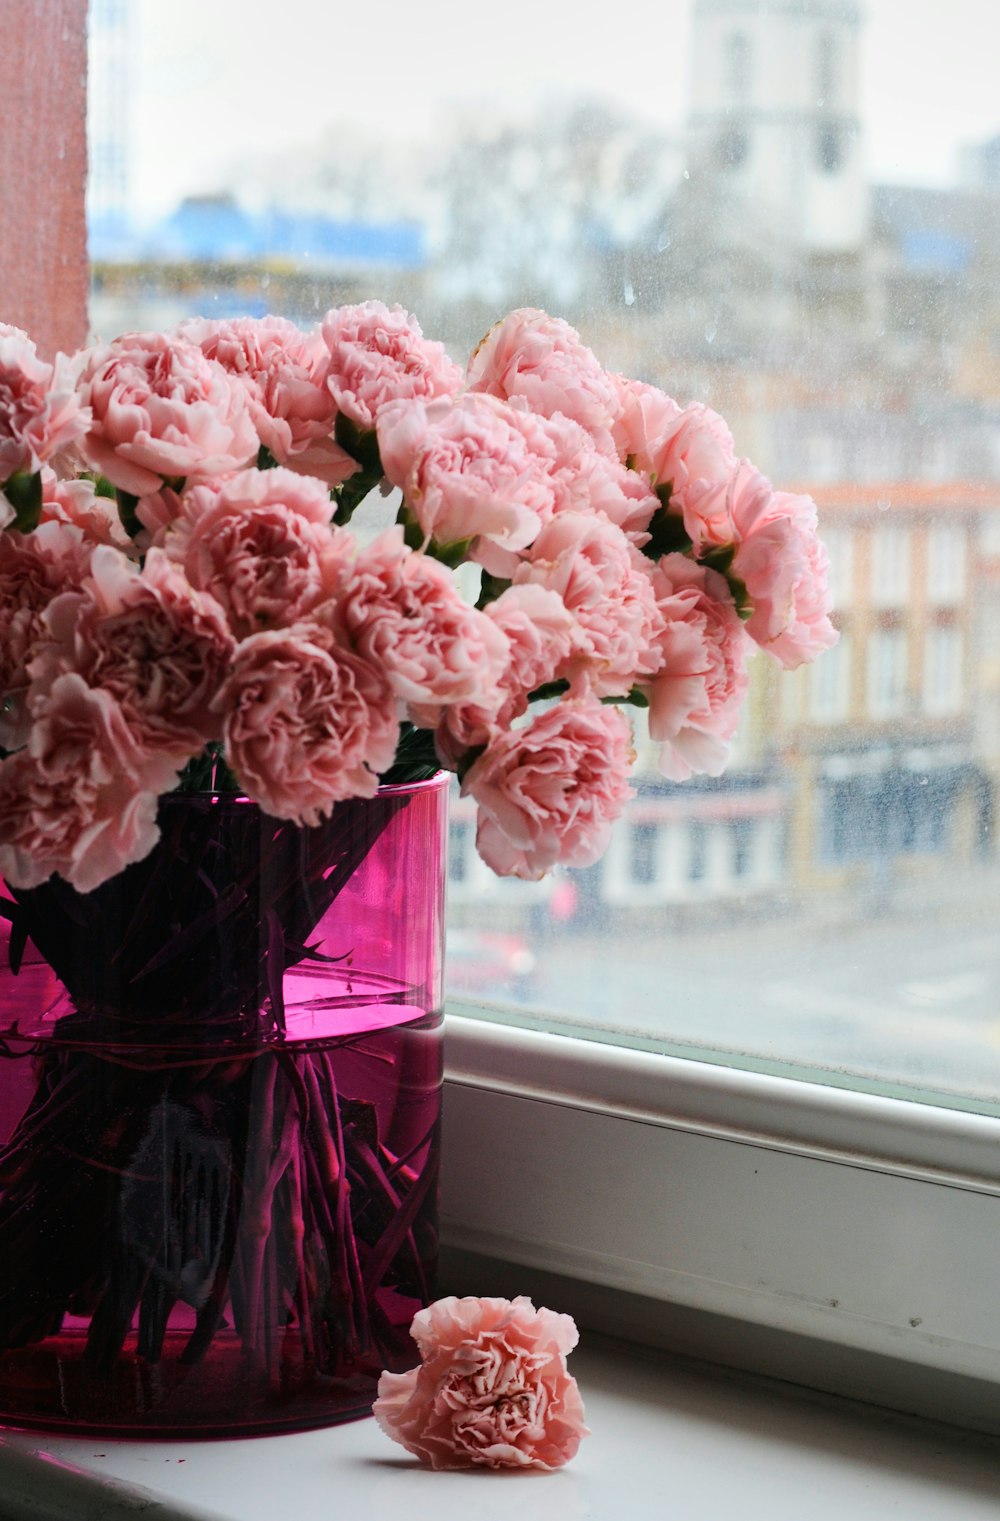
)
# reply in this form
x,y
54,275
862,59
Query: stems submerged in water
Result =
x,y
206,1219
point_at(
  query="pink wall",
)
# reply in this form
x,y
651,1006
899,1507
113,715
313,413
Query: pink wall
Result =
x,y
43,170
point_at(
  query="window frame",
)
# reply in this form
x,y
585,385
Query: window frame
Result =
x,y
834,1237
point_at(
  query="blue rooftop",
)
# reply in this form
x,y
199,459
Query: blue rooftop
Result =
x,y
218,230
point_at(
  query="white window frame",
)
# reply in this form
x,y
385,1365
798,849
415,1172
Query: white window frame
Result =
x,y
833,1237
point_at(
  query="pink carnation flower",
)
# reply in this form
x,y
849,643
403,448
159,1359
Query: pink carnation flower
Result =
x,y
378,354
784,566
549,792
543,360
466,471
492,1389
604,583
624,497
156,512
696,696
162,412
260,542
72,803
77,504
689,449
284,371
305,723
648,416
403,613
41,417
540,633
584,479
35,568
158,646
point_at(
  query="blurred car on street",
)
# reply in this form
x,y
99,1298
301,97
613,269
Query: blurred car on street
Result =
x,y
488,964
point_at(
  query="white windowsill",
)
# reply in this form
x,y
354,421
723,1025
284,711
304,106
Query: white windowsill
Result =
x,y
691,1206
667,1439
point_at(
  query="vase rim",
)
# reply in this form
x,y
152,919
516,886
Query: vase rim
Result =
x,y
440,779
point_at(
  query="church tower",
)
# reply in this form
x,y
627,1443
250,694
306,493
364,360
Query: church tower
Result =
x,y
774,126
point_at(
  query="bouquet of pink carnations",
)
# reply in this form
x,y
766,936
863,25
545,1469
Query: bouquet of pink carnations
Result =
x,y
185,613
183,604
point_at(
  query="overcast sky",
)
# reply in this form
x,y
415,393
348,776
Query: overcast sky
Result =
x,y
216,80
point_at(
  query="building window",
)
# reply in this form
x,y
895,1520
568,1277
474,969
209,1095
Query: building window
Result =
x,y
943,669
946,555
830,685
840,547
742,833
830,148
878,816
826,69
737,67
890,567
643,842
458,852
734,148
697,853
887,673
989,534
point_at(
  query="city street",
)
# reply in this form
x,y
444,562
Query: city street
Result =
x,y
914,999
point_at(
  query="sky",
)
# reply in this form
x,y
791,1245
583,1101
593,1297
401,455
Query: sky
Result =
x,y
217,81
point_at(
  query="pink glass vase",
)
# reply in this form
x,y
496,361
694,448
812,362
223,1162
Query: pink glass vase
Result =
x,y
219,1099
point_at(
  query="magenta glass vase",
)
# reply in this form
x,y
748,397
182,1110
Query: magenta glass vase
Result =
x,y
219,1098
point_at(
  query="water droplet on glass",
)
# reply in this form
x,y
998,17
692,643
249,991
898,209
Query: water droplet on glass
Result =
x,y
663,242
687,174
265,281
710,332
629,293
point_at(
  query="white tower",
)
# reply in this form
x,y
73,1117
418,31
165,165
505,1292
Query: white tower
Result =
x,y
774,125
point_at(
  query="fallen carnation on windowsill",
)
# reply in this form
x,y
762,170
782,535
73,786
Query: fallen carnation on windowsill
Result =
x,y
492,1389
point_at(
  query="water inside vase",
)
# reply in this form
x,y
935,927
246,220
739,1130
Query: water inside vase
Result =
x,y
220,1240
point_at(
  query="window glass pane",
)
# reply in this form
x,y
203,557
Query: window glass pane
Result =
x,y
797,224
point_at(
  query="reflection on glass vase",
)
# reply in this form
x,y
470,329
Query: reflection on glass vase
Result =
x,y
219,1099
